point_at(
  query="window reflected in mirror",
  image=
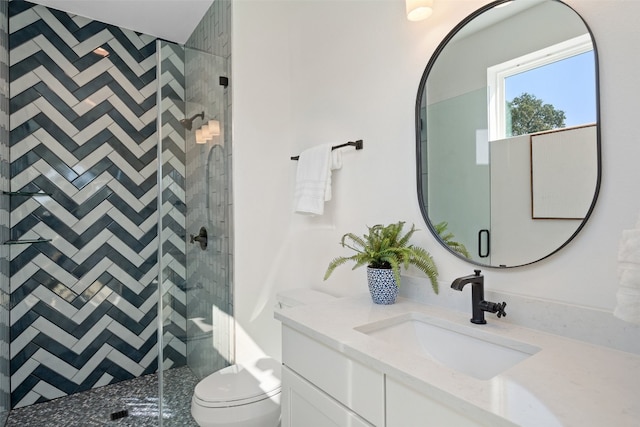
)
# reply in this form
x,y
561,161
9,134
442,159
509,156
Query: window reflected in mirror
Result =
x,y
543,90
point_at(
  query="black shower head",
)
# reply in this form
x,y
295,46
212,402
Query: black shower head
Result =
x,y
188,123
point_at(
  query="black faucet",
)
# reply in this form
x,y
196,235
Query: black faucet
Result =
x,y
479,305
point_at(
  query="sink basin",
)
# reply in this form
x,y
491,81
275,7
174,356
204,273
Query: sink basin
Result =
x,y
466,349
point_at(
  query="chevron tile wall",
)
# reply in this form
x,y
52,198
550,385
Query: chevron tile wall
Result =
x,y
173,235
83,130
4,213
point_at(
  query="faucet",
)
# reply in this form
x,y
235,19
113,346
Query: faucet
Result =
x,y
478,304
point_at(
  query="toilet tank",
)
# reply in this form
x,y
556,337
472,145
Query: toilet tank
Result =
x,y
295,297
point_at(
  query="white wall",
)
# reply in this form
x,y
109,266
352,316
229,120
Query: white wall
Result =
x,y
308,72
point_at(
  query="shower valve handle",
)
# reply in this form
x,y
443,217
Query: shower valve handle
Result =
x,y
200,238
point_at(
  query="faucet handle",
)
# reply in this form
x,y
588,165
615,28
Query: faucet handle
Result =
x,y
500,309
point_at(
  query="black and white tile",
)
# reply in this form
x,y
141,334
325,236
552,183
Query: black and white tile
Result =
x,y
173,211
4,213
83,130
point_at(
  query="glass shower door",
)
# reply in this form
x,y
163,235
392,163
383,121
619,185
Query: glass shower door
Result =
x,y
195,311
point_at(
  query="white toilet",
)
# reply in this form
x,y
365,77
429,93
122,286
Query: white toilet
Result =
x,y
247,396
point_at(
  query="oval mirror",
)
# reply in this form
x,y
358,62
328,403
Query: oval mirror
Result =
x,y
508,138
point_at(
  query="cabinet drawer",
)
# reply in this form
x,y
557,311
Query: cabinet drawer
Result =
x,y
305,405
408,408
351,383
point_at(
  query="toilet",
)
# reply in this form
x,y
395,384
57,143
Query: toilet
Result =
x,y
247,395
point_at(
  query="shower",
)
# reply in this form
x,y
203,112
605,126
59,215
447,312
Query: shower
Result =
x,y
113,282
188,123
196,310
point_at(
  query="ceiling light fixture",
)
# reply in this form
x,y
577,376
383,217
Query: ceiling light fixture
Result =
x,y
417,10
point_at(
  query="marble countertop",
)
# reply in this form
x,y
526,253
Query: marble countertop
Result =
x,y
566,383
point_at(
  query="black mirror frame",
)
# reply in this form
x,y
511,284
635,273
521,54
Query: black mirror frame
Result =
x,y
419,126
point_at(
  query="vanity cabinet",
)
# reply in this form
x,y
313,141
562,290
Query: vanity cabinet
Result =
x,y
303,404
322,387
337,374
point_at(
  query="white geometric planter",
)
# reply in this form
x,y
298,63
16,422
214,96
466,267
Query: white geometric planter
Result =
x,y
382,285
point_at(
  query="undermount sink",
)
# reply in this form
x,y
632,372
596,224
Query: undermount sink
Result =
x,y
469,350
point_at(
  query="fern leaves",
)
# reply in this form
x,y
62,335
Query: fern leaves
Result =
x,y
386,247
447,237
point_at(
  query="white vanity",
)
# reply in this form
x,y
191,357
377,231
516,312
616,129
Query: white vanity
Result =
x,y
350,362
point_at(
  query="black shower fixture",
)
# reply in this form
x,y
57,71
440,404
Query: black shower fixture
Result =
x,y
188,123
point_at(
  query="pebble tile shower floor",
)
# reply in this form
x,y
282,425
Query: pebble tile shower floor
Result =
x,y
94,407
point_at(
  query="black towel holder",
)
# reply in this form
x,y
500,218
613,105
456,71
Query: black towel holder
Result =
x,y
358,144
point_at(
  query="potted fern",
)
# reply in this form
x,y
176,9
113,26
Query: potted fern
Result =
x,y
384,249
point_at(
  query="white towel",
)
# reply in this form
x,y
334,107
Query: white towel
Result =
x,y
628,300
629,250
313,178
629,276
628,295
335,163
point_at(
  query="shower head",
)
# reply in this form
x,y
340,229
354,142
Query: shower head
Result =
x,y
188,123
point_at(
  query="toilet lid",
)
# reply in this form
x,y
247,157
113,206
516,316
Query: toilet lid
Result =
x,y
238,385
